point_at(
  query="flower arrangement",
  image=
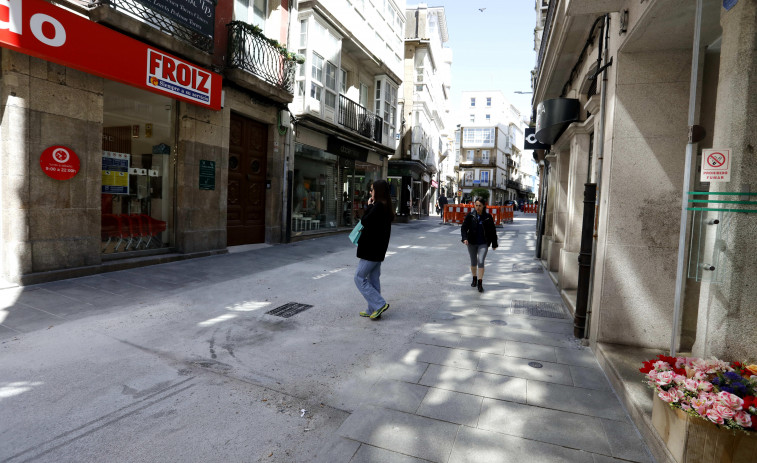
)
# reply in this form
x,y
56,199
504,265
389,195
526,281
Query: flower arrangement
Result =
x,y
720,392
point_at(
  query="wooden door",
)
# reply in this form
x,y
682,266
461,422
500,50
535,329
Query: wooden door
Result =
x,y
245,216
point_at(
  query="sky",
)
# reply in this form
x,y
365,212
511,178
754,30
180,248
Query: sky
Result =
x,y
491,49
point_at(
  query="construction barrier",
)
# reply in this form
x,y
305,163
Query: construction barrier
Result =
x,y
530,208
455,213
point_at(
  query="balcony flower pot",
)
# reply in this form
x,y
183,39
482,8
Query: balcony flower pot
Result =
x,y
704,410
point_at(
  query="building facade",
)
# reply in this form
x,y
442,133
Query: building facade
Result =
x,y
414,171
630,96
345,108
490,141
131,131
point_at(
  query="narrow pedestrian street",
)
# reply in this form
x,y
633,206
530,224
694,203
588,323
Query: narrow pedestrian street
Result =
x,y
181,362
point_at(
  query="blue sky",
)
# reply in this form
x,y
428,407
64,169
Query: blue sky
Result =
x,y
491,50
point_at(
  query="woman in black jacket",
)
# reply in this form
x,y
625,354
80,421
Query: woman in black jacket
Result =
x,y
372,246
478,234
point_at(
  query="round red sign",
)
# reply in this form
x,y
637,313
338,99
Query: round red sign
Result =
x,y
59,162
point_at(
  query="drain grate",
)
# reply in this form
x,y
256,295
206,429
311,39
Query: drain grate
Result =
x,y
289,309
528,267
537,309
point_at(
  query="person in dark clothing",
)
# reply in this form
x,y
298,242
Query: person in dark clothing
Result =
x,y
442,201
372,246
478,233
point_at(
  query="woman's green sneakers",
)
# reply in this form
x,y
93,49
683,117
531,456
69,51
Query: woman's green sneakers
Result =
x,y
378,313
365,314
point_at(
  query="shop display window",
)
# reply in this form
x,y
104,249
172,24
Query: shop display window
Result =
x,y
137,190
315,196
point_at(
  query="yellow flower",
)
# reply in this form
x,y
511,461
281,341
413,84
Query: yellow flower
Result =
x,y
752,369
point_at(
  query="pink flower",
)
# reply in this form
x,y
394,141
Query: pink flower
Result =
x,y
714,416
731,401
743,419
700,404
691,385
652,375
705,386
665,377
668,396
726,412
661,366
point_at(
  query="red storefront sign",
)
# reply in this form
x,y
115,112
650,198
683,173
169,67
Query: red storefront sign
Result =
x,y
40,29
59,162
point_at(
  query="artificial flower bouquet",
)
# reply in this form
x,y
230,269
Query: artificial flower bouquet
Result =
x,y
711,389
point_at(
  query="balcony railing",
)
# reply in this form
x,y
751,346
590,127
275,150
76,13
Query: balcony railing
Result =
x,y
164,24
358,118
253,52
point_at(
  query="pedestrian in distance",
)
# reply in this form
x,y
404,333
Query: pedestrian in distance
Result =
x,y
372,246
478,233
442,201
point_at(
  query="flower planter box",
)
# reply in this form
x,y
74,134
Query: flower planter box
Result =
x,y
693,440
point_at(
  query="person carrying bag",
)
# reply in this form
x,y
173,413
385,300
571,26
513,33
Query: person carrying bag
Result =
x,y
478,233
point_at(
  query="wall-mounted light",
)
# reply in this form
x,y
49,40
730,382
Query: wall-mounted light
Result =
x,y
623,22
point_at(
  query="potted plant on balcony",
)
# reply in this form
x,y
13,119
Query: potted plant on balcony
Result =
x,y
704,409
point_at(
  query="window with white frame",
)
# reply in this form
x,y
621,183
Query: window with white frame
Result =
x,y
316,75
470,154
473,102
342,81
330,83
488,118
386,104
485,156
363,95
251,11
488,101
479,136
472,118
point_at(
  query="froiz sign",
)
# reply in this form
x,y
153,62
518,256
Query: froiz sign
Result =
x,y
43,30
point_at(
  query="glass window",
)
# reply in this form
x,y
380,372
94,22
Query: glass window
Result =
x,y
137,187
473,102
363,95
485,156
251,11
330,85
343,80
316,201
478,136
303,33
317,68
484,177
488,101
473,118
488,118
471,155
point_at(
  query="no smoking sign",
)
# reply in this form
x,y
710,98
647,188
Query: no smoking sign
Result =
x,y
716,165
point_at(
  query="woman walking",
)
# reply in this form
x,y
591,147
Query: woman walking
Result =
x,y
478,234
372,246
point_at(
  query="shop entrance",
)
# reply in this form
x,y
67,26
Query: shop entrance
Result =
x,y
245,212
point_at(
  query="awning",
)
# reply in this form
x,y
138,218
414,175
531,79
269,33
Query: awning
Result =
x,y
554,116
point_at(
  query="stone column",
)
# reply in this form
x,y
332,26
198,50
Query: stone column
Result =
x,y
728,311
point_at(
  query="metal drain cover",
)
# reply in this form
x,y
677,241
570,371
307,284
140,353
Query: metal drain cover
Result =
x,y
289,309
537,309
498,322
535,267
535,364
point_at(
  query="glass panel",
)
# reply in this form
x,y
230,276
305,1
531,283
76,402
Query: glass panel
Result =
x,y
317,68
137,187
316,199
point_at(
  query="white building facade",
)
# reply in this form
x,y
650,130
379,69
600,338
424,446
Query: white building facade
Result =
x,y
345,108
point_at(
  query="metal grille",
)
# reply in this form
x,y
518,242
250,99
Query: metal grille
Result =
x,y
359,119
160,22
250,50
528,267
289,309
537,309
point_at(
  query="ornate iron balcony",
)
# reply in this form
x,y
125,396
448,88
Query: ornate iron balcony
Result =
x,y
164,24
545,36
357,118
253,52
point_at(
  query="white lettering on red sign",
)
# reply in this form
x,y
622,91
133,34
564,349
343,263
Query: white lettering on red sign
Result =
x,y
177,77
15,24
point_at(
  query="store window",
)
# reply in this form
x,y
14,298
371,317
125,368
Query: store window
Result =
x,y
356,187
315,199
137,188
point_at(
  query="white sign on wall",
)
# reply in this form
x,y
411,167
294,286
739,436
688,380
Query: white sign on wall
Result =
x,y
716,165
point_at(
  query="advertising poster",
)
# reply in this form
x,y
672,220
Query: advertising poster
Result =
x,y
115,168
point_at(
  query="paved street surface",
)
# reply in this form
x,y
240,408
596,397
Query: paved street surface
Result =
x,y
180,362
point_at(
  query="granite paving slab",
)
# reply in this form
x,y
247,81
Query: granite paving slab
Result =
x,y
531,351
370,454
625,441
520,368
445,356
590,378
401,432
480,446
397,395
545,425
601,404
455,407
581,357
